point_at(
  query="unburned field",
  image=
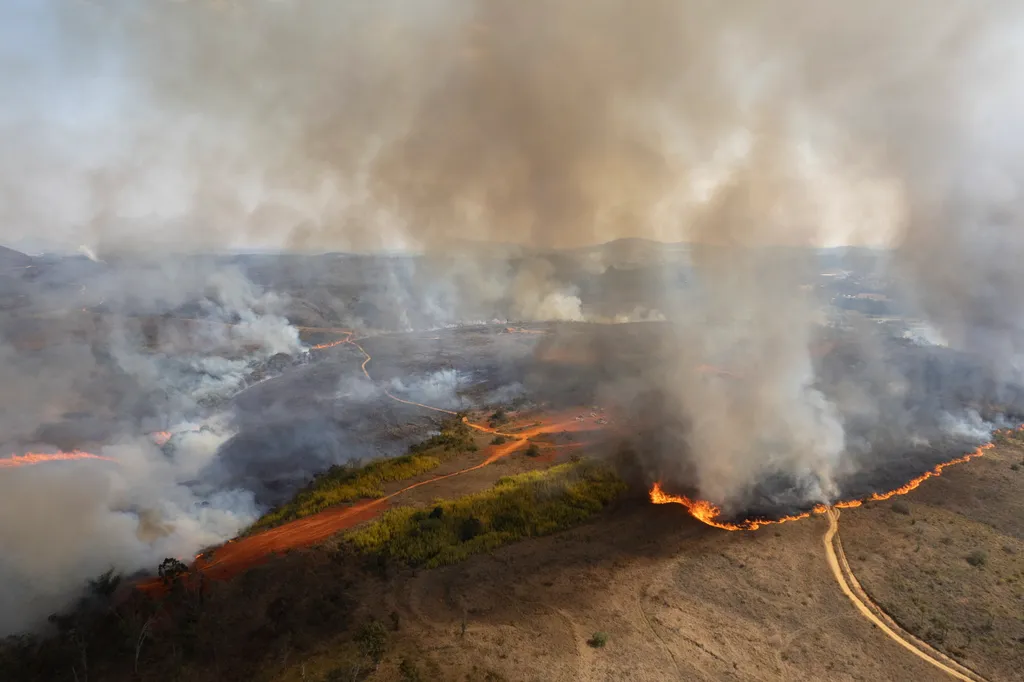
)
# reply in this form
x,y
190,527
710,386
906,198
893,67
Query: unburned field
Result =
x,y
475,558
947,562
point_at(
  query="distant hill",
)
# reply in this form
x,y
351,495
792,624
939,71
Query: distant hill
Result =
x,y
9,258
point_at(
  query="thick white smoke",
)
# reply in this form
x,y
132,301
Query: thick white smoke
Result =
x,y
63,522
754,130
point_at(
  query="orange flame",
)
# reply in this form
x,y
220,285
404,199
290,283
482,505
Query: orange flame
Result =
x,y
160,437
39,457
709,513
332,344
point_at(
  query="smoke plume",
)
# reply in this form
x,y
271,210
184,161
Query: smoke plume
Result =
x,y
484,134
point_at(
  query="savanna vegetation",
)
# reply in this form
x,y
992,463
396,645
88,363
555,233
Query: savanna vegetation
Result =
x,y
350,482
531,504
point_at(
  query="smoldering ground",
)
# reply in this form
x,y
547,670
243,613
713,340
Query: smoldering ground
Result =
x,y
192,348
343,125
102,383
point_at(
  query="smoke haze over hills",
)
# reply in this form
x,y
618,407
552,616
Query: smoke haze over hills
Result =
x,y
753,132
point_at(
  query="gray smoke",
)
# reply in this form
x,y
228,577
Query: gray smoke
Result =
x,y
479,132
103,389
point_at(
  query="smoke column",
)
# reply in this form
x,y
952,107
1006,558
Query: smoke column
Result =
x,y
754,131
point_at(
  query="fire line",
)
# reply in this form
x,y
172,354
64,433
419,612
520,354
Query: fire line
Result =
x,y
709,513
30,458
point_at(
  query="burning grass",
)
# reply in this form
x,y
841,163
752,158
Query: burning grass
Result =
x,y
341,483
531,504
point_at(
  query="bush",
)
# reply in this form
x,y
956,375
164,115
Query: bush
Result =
x,y
977,558
598,640
372,640
470,528
408,671
499,440
901,507
170,570
533,450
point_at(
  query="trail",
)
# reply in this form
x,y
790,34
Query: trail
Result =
x,y
240,554
873,612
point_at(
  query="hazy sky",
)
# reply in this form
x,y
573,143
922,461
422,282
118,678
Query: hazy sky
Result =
x,y
349,125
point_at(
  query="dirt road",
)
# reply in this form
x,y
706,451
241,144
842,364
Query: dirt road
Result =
x,y
869,609
240,554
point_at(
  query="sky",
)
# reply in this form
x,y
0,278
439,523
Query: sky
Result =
x,y
146,125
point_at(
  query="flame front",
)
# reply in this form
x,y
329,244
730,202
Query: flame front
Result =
x,y
709,513
331,344
30,458
160,437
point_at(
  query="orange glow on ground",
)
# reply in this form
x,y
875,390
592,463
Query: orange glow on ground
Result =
x,y
709,513
160,437
30,458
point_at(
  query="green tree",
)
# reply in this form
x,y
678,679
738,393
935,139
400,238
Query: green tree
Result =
x,y
372,640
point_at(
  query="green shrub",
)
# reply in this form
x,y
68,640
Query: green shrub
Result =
x,y
977,558
372,640
533,450
499,440
531,504
598,640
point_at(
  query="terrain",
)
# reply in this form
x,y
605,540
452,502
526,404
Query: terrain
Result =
x,y
680,600
429,507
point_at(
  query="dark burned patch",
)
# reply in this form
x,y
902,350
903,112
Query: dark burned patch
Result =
x,y
883,471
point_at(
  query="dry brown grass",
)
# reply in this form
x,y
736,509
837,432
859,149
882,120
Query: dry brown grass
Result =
x,y
952,571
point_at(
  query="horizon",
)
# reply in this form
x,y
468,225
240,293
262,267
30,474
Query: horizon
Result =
x,y
37,250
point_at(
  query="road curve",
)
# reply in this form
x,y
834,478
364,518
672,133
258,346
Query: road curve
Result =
x,y
244,552
873,612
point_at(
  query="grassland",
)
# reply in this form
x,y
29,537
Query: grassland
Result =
x,y
947,562
532,504
347,483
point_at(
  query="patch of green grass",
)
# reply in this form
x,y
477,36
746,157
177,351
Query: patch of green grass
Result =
x,y
531,504
347,483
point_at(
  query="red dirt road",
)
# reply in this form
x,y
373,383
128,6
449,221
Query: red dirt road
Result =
x,y
243,553
238,555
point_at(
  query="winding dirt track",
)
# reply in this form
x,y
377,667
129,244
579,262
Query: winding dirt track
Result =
x,y
238,555
873,612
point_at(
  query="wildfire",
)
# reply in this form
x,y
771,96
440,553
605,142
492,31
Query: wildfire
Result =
x,y
523,330
160,437
39,457
331,344
709,513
